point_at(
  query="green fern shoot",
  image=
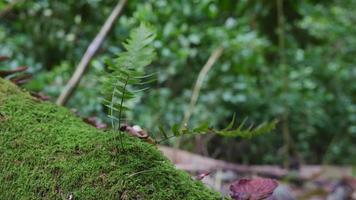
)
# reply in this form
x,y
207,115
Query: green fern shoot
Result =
x,y
127,76
231,130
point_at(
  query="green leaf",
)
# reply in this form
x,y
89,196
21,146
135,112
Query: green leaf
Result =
x,y
231,124
204,127
249,133
175,129
163,132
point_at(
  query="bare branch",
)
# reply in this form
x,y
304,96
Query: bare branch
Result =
x,y
199,82
89,54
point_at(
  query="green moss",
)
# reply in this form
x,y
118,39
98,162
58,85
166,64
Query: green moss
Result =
x,y
48,153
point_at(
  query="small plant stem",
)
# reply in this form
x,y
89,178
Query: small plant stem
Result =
x,y
112,107
198,84
120,113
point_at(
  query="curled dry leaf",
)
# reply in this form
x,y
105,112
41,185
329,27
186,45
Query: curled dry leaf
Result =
x,y
253,189
40,96
19,75
21,79
95,122
137,131
4,73
202,175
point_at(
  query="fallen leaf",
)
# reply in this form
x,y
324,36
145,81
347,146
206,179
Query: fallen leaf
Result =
x,y
4,73
40,96
21,79
253,189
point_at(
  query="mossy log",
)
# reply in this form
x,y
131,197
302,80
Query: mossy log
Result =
x,y
48,153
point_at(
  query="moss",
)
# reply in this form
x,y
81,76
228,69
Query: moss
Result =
x,y
48,153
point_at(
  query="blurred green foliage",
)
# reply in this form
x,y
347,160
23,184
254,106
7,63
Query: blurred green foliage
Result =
x,y
314,89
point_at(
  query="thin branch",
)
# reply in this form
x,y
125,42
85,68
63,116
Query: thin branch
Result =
x,y
199,82
89,54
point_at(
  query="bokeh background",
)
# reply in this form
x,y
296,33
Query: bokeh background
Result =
x,y
294,63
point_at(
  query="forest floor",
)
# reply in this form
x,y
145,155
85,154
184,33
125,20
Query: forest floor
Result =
x,y
309,182
36,117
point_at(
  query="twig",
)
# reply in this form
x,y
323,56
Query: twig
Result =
x,y
194,163
89,54
199,82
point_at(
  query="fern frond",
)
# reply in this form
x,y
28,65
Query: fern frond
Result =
x,y
228,131
248,132
128,73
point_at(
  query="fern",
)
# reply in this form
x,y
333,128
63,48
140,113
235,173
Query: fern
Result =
x,y
229,131
128,77
128,74
249,132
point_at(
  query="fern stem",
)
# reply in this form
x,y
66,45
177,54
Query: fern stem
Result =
x,y
165,139
120,111
112,107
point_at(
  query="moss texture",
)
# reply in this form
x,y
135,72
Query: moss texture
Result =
x,y
48,153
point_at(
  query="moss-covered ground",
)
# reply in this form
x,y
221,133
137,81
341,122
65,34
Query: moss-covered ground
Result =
x,y
48,153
